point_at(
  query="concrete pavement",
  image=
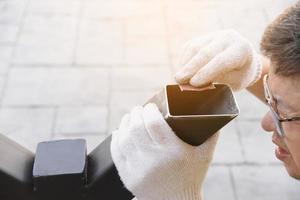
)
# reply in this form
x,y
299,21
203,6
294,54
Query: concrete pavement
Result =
x,y
72,68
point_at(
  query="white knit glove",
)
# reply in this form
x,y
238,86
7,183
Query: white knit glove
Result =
x,y
153,163
223,57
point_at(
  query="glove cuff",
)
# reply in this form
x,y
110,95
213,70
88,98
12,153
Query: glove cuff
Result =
x,y
257,65
189,194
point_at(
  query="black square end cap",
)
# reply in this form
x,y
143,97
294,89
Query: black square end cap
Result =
x,y
60,157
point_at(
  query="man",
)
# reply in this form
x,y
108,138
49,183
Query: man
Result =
x,y
155,164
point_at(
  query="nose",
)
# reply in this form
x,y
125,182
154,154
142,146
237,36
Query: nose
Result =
x,y
268,123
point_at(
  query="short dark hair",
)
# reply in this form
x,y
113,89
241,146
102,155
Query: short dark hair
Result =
x,y
281,42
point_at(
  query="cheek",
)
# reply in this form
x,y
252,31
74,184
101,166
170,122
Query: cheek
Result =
x,y
292,140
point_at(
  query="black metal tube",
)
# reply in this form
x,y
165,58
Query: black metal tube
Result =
x,y
103,179
15,171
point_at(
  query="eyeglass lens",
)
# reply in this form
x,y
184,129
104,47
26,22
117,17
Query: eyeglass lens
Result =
x,y
277,123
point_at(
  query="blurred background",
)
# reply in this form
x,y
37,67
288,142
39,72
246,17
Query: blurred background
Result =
x,y
72,68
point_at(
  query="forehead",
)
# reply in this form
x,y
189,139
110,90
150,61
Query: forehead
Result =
x,y
285,89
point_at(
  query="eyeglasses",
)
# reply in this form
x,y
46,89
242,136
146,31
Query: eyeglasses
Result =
x,y
274,111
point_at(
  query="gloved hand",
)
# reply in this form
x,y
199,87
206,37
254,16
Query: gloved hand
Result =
x,y
153,163
223,57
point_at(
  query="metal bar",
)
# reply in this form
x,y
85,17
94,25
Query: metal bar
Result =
x,y
15,171
60,170
103,179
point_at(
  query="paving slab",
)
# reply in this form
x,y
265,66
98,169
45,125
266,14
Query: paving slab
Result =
x,y
54,7
264,183
244,18
218,183
185,22
122,102
117,10
38,43
27,125
257,144
229,149
251,108
136,26
139,78
56,86
2,86
12,11
76,120
146,50
8,33
5,57
99,42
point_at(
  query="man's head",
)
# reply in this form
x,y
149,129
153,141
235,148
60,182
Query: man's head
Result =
x,y
281,44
